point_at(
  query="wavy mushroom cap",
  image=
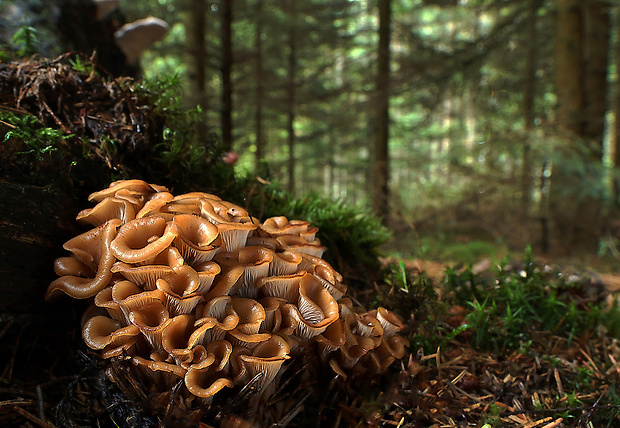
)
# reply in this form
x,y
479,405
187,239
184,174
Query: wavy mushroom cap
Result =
x,y
276,226
93,250
390,322
221,351
151,319
71,266
206,382
301,245
207,272
226,283
197,239
154,205
283,287
180,289
147,275
136,186
267,358
108,209
316,309
129,296
177,337
250,313
256,262
103,299
100,331
142,239
331,339
284,263
273,314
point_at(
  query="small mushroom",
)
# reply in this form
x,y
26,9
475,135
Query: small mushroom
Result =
x,y
284,263
180,289
99,332
205,382
151,319
198,239
251,314
277,226
107,209
129,296
283,286
93,250
133,38
267,358
137,186
300,244
142,239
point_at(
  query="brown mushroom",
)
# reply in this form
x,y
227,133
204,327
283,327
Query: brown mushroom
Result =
x,y
136,186
92,249
107,209
99,332
142,239
180,289
198,239
151,319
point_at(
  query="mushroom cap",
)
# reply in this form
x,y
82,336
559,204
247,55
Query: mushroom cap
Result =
x,y
249,312
137,186
206,382
107,209
301,245
151,319
93,250
283,286
390,322
135,37
284,263
266,358
99,332
198,239
142,239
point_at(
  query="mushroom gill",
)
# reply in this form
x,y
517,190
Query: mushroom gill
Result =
x,y
194,292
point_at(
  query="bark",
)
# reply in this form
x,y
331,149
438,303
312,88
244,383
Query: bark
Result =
x,y
258,160
195,45
34,223
569,69
290,95
381,191
227,61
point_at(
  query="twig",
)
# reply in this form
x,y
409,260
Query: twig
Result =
x,y
554,424
38,421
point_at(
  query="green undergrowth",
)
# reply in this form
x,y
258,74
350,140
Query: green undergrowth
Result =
x,y
510,307
505,308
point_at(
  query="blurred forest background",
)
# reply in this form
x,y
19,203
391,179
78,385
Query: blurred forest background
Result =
x,y
491,123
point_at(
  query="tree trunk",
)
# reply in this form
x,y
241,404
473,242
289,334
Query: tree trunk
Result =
x,y
227,61
290,95
569,68
596,51
258,47
195,44
528,108
381,191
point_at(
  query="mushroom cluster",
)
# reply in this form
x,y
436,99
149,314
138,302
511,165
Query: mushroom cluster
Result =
x,y
194,291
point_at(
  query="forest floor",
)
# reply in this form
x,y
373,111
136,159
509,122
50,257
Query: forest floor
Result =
x,y
493,365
